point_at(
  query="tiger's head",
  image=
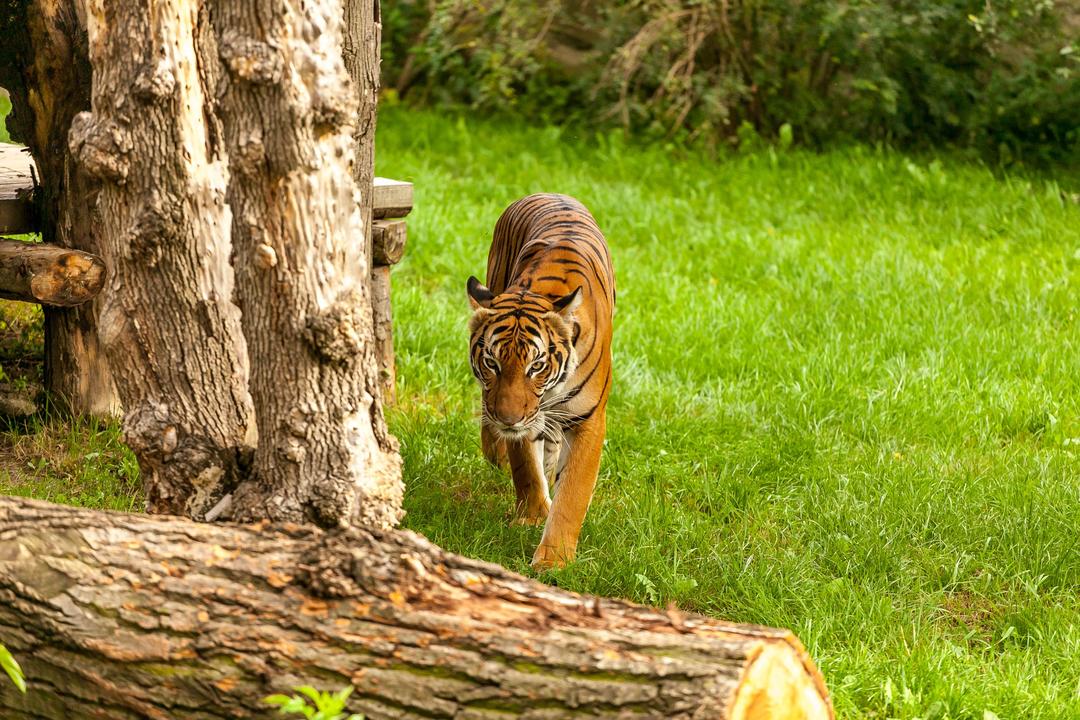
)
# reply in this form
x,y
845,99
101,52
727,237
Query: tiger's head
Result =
x,y
522,352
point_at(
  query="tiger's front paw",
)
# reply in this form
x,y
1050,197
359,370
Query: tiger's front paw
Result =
x,y
531,515
547,556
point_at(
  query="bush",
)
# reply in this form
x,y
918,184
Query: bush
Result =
x,y
1000,75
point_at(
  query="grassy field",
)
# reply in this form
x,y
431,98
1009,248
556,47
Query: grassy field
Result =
x,y
845,402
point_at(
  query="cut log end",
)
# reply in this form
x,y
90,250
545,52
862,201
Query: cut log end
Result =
x,y
47,274
75,278
388,241
781,684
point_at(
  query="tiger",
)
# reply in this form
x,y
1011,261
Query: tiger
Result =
x,y
540,347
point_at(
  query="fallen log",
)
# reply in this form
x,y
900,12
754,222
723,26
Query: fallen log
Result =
x,y
133,616
49,274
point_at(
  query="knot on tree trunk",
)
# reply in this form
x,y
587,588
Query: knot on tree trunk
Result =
x,y
191,472
338,333
148,430
249,156
155,81
100,147
333,105
251,60
157,222
355,561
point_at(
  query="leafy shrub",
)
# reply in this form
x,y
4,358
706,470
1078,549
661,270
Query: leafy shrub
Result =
x,y
322,705
1002,75
11,667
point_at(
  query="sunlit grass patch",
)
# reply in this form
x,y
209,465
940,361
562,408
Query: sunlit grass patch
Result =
x,y
845,401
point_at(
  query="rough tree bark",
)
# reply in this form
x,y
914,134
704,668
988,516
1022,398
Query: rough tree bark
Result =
x,y
362,54
45,66
126,616
154,155
302,267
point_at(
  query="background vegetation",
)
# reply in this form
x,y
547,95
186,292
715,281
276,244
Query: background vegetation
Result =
x,y
1001,76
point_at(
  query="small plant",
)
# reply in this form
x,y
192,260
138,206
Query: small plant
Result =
x,y
11,667
322,706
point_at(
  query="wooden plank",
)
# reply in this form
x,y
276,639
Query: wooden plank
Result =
x,y
393,198
16,186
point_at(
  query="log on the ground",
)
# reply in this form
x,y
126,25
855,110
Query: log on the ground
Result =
x,y
48,274
388,241
131,616
392,198
383,317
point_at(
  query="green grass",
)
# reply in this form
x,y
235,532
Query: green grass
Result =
x,y
47,456
80,463
845,401
5,108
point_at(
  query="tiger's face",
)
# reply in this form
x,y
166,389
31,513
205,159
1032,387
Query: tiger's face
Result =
x,y
522,352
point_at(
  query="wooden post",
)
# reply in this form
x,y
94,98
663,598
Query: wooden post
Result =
x,y
388,246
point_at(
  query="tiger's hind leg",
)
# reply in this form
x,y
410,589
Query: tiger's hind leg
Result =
x,y
494,448
530,483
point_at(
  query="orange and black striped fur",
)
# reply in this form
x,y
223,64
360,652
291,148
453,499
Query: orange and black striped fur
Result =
x,y
541,349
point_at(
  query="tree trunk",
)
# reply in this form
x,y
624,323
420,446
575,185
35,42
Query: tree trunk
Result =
x,y
125,617
154,155
302,266
47,274
362,54
45,66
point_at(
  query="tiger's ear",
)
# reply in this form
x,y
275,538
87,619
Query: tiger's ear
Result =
x,y
479,296
567,304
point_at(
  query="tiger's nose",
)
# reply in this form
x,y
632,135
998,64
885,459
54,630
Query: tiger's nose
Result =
x,y
508,415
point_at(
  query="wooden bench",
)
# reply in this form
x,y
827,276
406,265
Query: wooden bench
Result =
x,y
61,277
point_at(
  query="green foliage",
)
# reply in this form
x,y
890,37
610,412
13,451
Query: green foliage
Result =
x,y
74,462
1001,76
314,705
11,667
5,109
